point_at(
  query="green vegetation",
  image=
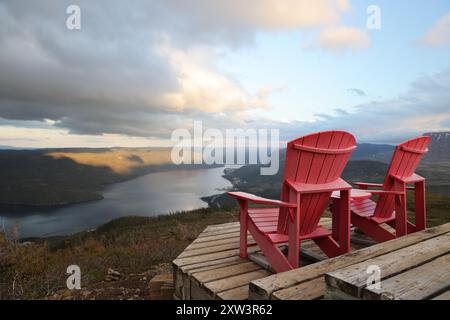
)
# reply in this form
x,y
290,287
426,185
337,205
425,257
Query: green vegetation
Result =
x,y
58,177
133,245
129,245
248,179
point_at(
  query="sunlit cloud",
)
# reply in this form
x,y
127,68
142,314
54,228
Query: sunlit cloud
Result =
x,y
438,34
203,88
138,70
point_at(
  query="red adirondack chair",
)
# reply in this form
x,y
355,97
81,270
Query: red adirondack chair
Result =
x,y
313,167
390,207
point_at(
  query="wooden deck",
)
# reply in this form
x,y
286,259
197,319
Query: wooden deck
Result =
x,y
210,268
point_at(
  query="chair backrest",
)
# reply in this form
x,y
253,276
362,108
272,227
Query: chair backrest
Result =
x,y
314,159
404,162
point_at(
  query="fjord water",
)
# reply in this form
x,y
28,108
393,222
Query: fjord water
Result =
x,y
149,195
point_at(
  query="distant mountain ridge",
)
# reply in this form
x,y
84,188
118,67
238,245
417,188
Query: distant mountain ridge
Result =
x,y
373,152
439,150
439,147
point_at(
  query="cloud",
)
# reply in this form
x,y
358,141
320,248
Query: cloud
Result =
x,y
341,38
439,33
242,16
424,108
205,89
358,92
141,68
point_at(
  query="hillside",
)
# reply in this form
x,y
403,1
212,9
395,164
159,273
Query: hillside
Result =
x,y
373,152
439,147
54,177
137,248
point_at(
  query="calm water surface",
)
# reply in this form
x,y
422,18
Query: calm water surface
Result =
x,y
149,195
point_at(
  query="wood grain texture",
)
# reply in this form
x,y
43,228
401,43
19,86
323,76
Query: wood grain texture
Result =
x,y
423,282
353,279
262,289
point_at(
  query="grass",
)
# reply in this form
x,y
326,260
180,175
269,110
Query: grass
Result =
x,y
128,245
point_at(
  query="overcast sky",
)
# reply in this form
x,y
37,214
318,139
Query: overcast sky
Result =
x,y
137,70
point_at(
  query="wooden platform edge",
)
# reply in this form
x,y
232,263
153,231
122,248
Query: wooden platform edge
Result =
x,y
288,284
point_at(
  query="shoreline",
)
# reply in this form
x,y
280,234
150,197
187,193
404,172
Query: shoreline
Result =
x,y
7,209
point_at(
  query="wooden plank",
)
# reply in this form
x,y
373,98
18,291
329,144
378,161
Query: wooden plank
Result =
x,y
210,256
223,225
218,232
211,264
199,293
311,251
421,283
214,287
186,272
443,296
309,290
260,259
217,237
239,293
210,249
178,282
220,228
224,272
335,294
263,289
206,244
161,287
352,279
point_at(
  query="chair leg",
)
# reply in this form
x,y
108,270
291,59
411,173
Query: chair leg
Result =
x,y
401,226
335,210
344,222
372,229
276,258
329,246
420,206
294,243
243,217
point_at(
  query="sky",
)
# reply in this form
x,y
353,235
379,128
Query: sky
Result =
x,y
137,70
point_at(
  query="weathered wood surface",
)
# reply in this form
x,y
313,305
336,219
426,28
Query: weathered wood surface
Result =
x,y
210,268
294,284
443,296
353,279
424,282
161,287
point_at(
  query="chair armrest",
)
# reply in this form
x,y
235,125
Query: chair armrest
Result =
x,y
366,184
412,179
339,184
398,193
259,200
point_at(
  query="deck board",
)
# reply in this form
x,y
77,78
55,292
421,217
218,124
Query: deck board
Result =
x,y
353,279
415,284
210,267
